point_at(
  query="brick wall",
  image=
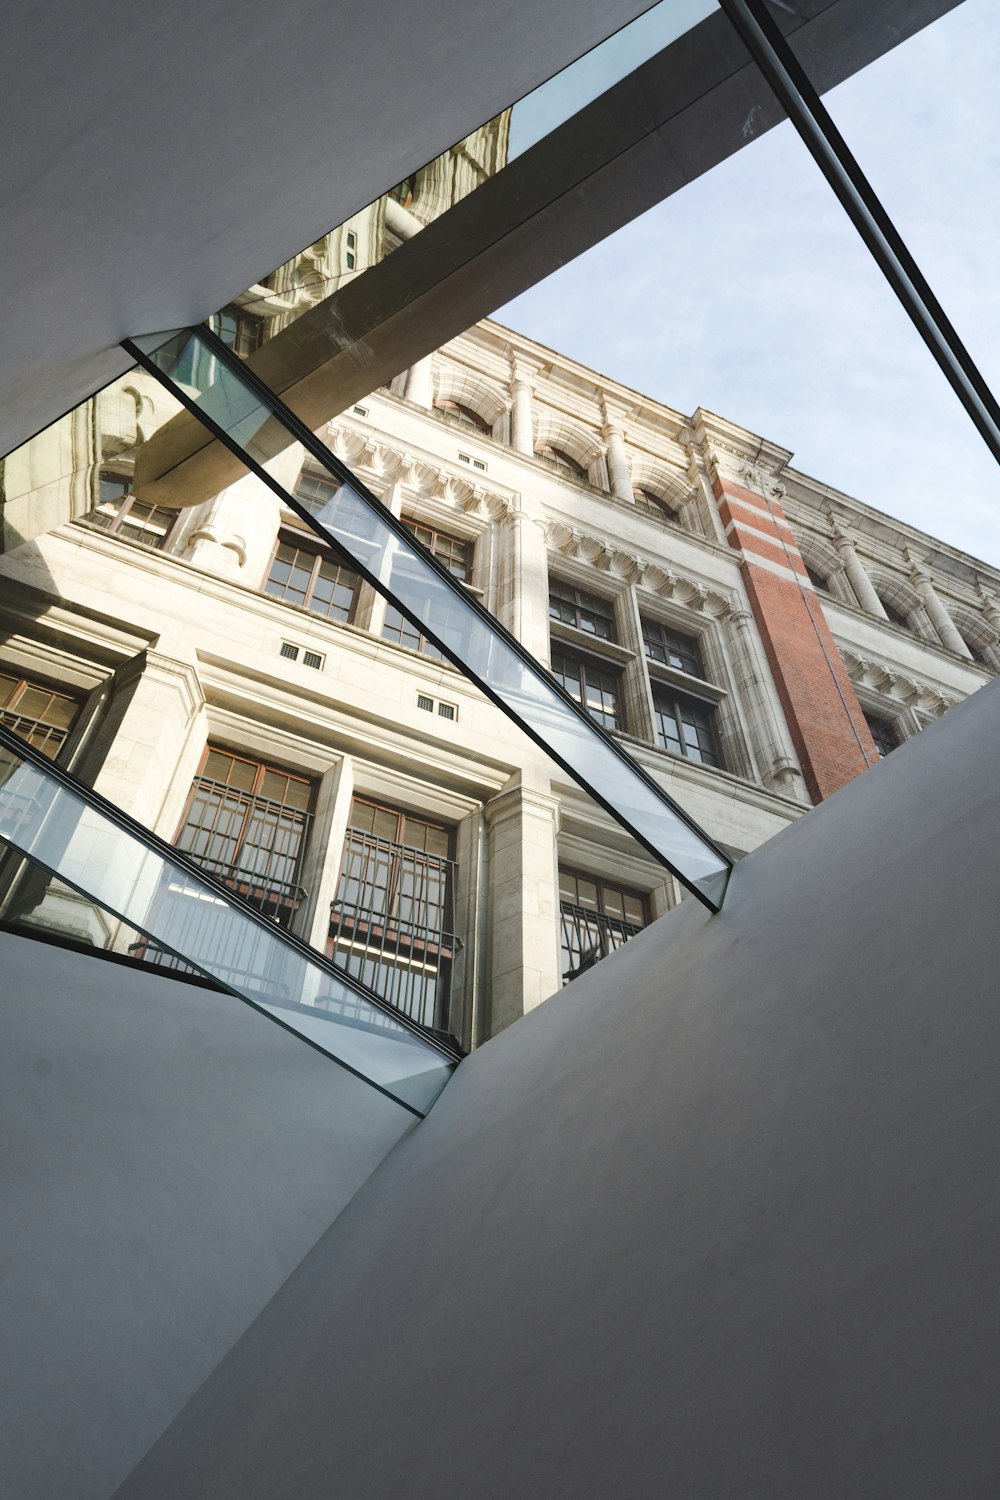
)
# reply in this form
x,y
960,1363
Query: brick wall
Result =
x,y
824,716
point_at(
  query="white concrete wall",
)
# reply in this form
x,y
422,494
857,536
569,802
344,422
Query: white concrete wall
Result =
x,y
719,1220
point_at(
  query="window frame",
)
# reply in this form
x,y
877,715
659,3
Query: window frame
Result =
x,y
60,734
678,700
245,322
304,542
585,661
579,610
395,626
126,501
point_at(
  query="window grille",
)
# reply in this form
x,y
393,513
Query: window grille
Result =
x,y
885,734
289,652
560,459
392,922
592,684
685,725
42,717
457,411
313,659
595,919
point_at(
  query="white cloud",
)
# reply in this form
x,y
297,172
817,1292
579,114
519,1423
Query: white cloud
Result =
x,y
750,293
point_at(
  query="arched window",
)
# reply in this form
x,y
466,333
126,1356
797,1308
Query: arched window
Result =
x,y
817,580
463,414
562,460
895,614
647,501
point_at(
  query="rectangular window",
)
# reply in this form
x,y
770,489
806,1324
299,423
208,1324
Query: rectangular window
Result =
x,y
246,823
595,918
238,330
592,684
573,606
289,652
663,644
392,922
313,659
121,513
37,714
885,734
455,553
314,578
685,725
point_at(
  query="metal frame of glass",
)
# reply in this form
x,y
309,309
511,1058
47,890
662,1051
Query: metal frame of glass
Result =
x,y
92,846
763,39
254,424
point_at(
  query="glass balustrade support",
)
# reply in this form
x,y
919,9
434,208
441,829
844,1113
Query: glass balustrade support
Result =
x,y
103,855
253,423
777,62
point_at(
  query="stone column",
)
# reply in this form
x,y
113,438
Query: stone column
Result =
x,y
618,469
522,901
778,765
950,636
522,425
420,382
523,581
862,585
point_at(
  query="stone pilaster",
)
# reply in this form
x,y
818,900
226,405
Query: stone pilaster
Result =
x,y
778,766
523,581
522,421
420,382
522,901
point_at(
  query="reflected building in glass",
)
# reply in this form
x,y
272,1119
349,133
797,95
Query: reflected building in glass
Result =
x,y
752,637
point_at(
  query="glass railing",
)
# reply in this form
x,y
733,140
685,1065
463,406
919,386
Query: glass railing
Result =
x,y
96,851
253,423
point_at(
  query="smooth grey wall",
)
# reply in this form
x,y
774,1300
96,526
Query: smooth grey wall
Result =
x,y
168,1156
720,1220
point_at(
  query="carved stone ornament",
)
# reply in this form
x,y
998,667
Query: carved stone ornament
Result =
x,y
890,682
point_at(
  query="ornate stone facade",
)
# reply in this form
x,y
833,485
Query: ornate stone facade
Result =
x,y
754,637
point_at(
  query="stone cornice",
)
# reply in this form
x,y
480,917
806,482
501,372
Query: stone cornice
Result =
x,y
616,562
891,681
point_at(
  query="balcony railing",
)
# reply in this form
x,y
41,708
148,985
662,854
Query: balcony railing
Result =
x,y
589,936
391,924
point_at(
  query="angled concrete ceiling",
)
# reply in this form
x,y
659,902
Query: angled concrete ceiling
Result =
x,y
157,160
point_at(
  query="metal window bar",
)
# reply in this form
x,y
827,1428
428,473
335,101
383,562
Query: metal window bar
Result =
x,y
588,936
251,843
94,848
779,65
392,922
250,420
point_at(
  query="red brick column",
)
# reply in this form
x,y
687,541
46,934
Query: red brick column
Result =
x,y
824,716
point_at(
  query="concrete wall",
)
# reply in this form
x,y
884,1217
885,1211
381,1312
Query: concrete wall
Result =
x,y
719,1220
168,1158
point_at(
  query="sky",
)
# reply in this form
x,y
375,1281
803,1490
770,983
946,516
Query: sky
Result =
x,y
750,293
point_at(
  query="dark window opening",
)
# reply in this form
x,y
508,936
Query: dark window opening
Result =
x,y
817,580
685,726
596,917
896,615
672,648
392,921
573,606
592,684
562,460
885,734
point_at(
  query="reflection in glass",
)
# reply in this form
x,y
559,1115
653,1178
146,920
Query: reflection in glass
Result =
x,y
183,916
360,528
368,237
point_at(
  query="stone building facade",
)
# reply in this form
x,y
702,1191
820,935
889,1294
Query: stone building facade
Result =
x,y
755,639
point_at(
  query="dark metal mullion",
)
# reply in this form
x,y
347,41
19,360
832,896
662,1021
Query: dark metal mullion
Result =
x,y
790,83
319,451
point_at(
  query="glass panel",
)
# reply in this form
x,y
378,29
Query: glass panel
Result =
x,y
111,862
359,527
350,249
